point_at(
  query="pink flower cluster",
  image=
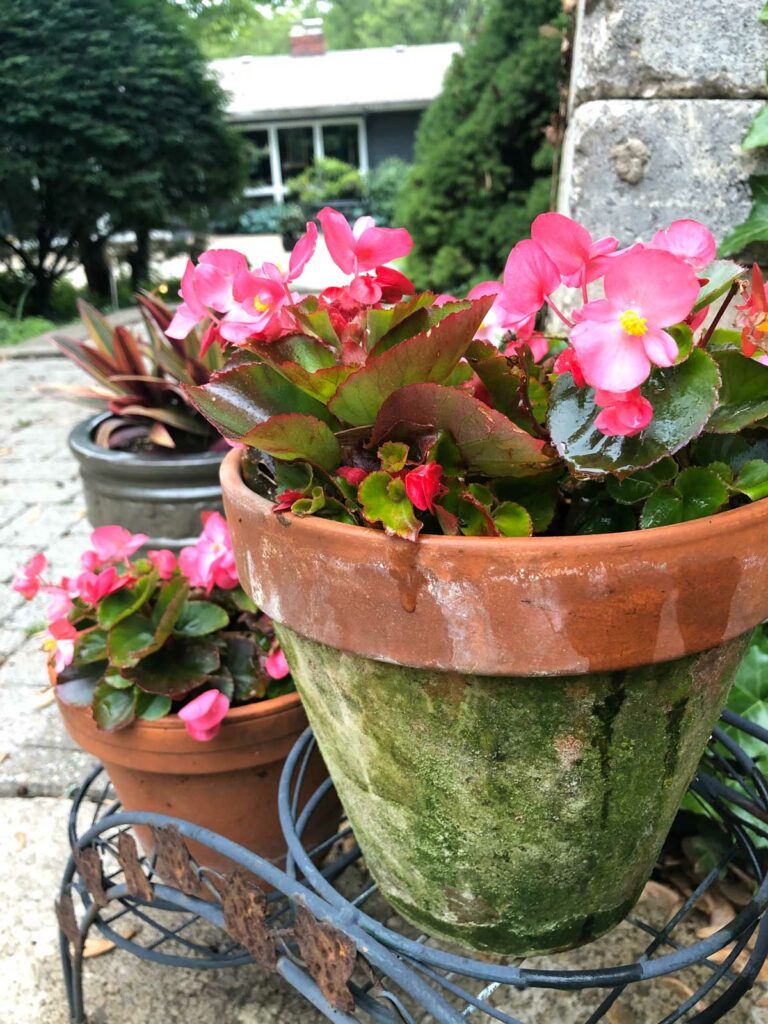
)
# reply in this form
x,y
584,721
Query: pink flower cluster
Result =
x,y
107,567
243,304
210,561
617,338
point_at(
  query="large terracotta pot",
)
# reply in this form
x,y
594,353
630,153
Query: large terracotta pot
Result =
x,y
228,784
510,723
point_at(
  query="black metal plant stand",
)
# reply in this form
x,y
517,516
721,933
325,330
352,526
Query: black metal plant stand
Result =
x,y
319,922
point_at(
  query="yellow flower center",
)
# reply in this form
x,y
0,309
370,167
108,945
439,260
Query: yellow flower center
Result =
x,y
762,325
261,306
633,323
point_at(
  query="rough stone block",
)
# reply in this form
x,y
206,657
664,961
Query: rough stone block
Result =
x,y
632,166
661,48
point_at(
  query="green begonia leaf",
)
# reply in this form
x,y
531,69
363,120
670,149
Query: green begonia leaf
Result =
x,y
293,436
428,357
682,397
743,394
384,501
489,443
199,618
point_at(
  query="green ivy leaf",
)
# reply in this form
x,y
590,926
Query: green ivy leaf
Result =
x,y
720,275
151,706
758,131
683,398
292,436
113,709
393,456
703,492
489,443
384,501
743,395
663,508
179,666
428,357
753,479
636,488
755,227
723,470
125,602
512,520
199,618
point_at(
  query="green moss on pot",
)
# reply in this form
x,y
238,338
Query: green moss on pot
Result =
x,y
512,815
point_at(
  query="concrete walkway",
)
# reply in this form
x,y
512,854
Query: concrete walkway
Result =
x,y
42,509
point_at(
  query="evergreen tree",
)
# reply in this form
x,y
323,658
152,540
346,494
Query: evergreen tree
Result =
x,y
110,122
482,168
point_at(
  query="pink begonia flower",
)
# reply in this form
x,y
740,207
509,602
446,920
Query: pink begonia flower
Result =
x,y
27,580
423,485
60,643
569,245
617,339
209,284
275,664
530,277
622,414
688,240
210,562
536,342
365,289
203,716
113,544
568,362
92,587
284,501
60,603
393,284
364,246
164,561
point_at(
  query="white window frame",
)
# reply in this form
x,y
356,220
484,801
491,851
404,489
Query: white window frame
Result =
x,y
277,189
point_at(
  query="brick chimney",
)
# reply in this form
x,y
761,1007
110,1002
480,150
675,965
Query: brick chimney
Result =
x,y
308,38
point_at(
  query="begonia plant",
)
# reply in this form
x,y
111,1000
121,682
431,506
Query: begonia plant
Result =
x,y
372,405
141,637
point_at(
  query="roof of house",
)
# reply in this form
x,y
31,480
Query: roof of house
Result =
x,y
336,82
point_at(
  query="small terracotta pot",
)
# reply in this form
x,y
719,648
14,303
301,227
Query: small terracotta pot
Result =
x,y
511,723
228,784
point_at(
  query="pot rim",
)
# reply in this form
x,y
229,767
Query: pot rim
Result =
x,y
595,544
82,444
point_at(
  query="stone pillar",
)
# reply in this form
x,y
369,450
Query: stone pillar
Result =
x,y
662,94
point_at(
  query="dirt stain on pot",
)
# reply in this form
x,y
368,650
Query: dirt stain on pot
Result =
x,y
403,566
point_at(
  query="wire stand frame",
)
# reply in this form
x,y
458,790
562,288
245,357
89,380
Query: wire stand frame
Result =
x,y
323,926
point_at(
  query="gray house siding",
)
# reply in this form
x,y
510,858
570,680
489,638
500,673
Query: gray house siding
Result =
x,y
391,134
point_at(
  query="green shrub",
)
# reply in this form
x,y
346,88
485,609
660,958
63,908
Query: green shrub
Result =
x,y
325,181
482,168
385,183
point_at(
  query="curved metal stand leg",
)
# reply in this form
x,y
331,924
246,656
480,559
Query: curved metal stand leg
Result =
x,y
71,966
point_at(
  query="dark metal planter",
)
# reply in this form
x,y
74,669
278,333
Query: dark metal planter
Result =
x,y
161,496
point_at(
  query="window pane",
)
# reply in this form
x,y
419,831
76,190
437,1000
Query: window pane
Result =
x,y
296,150
340,141
259,170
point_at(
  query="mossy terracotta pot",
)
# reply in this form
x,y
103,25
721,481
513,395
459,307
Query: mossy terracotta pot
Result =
x,y
510,723
228,784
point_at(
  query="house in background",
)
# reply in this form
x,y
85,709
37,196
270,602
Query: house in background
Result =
x,y
359,106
